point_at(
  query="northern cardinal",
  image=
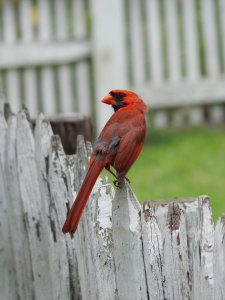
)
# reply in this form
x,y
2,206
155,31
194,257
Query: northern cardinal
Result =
x,y
118,146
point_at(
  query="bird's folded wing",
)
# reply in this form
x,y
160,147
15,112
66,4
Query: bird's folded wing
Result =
x,y
129,148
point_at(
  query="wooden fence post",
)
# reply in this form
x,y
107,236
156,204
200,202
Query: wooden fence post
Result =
x,y
109,52
128,251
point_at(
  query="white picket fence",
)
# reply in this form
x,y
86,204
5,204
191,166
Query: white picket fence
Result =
x,y
167,250
44,55
172,52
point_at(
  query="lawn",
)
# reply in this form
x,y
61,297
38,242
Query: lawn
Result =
x,y
184,163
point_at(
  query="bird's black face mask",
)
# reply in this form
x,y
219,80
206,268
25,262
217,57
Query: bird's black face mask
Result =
x,y
118,97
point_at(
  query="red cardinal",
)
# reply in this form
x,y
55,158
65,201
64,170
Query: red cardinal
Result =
x,y
118,146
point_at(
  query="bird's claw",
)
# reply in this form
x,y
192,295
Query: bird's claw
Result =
x,y
120,182
117,183
127,179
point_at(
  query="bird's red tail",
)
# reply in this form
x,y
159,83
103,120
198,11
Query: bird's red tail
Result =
x,y
78,206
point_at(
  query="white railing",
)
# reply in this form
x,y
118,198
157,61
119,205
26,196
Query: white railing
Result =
x,y
167,250
44,55
174,56
171,52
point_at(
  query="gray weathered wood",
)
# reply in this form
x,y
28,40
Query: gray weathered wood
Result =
x,y
167,251
153,254
7,276
59,186
202,251
7,267
3,130
128,253
28,54
219,259
205,91
20,242
31,203
103,243
176,254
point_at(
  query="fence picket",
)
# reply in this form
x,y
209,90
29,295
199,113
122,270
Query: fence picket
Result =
x,y
160,119
219,259
103,243
196,116
216,114
81,68
154,40
203,252
191,215
3,131
28,185
59,185
30,84
21,251
64,74
7,274
173,38
210,37
222,24
108,59
12,76
153,254
130,273
86,230
43,136
190,38
176,254
47,75
137,42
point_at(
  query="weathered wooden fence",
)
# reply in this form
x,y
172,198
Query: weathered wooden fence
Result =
x,y
170,51
168,250
45,55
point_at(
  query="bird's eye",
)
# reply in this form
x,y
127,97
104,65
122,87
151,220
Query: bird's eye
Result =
x,y
121,95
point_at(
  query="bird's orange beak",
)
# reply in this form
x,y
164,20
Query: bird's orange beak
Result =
x,y
108,100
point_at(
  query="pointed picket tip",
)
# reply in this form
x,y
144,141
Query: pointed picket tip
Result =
x,y
127,241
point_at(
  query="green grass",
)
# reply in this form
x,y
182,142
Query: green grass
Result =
x,y
185,163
